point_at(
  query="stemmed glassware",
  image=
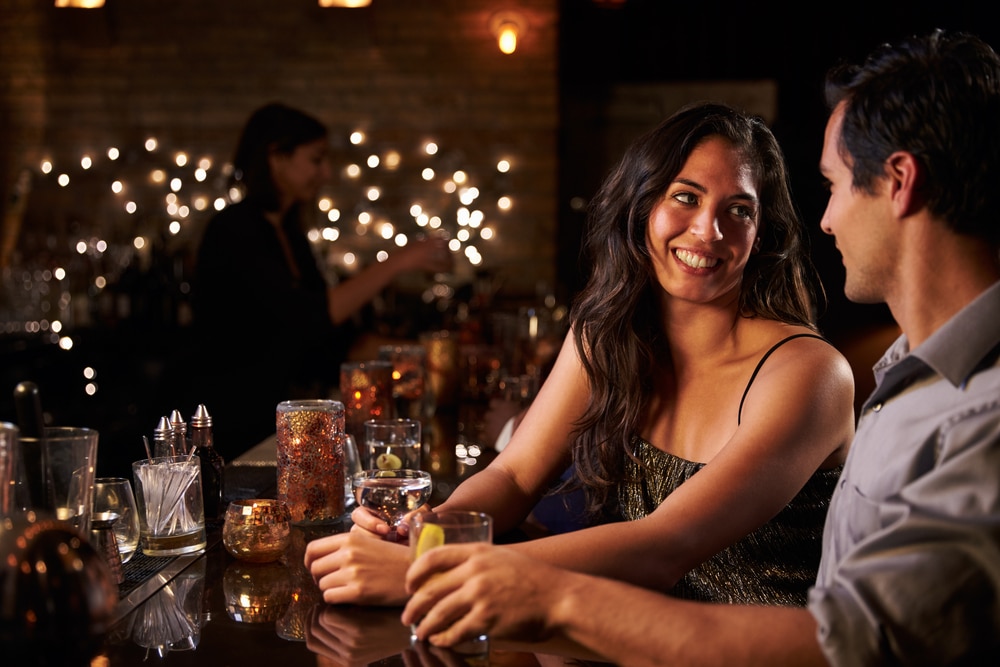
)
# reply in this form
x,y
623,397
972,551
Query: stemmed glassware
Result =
x,y
114,494
392,494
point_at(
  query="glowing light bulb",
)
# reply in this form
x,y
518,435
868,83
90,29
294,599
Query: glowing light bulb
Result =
x,y
507,38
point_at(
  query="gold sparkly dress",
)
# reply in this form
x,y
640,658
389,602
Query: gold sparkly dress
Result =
x,y
775,564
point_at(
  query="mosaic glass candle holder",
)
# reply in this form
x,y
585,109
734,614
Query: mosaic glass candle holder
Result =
x,y
257,530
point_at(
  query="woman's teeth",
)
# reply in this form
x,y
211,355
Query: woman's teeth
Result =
x,y
695,261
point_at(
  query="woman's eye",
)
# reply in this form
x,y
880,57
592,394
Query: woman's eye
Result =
x,y
742,212
685,198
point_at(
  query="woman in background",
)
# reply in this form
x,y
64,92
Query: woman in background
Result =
x,y
704,417
269,326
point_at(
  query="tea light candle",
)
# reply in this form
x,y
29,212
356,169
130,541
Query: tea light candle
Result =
x,y
257,530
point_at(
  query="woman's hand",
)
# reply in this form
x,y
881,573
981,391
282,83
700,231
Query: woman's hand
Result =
x,y
429,254
366,520
356,635
358,567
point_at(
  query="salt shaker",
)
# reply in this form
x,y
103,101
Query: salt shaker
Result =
x,y
178,428
163,443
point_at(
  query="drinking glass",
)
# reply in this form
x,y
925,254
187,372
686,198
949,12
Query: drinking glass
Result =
x,y
69,465
366,391
409,371
114,494
442,367
392,494
429,530
392,444
8,464
171,510
352,466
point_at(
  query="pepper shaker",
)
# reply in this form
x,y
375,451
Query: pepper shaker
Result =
x,y
212,463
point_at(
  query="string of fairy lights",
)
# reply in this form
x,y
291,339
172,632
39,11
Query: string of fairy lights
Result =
x,y
142,201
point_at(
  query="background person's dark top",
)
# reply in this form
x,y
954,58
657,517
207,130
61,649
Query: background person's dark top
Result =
x,y
263,334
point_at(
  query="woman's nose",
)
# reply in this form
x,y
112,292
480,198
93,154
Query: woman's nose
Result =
x,y
706,226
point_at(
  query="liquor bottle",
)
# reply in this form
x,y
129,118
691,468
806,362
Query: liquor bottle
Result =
x,y
212,464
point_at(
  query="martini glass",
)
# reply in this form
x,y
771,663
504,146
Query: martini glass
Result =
x,y
392,494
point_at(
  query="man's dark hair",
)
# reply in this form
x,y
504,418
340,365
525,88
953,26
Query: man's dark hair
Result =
x,y
936,97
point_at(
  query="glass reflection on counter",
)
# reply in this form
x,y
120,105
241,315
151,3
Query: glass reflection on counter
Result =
x,y
305,594
172,619
256,592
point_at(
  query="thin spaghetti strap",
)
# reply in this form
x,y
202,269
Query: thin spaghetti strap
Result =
x,y
739,415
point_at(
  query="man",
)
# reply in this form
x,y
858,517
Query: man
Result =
x,y
911,557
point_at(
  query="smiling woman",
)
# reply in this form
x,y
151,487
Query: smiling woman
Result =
x,y
701,234
704,417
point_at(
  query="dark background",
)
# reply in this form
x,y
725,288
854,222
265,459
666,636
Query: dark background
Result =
x,y
601,45
793,44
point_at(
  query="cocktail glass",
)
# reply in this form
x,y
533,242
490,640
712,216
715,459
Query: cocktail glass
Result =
x,y
392,494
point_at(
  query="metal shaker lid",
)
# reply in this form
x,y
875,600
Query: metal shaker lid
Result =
x,y
201,418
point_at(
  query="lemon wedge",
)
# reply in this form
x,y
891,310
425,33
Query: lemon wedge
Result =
x,y
431,535
388,462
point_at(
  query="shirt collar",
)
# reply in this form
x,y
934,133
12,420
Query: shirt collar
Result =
x,y
956,348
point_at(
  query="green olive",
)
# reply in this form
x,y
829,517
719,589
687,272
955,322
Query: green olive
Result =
x,y
388,462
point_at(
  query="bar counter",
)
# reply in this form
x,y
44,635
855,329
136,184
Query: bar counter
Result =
x,y
213,609
217,610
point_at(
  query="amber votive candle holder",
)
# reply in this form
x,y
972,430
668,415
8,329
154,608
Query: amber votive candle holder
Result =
x,y
442,367
366,392
257,530
409,372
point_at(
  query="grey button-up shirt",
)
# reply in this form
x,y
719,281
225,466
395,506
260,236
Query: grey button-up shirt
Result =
x,y
910,573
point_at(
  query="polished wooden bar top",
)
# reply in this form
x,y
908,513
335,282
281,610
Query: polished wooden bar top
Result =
x,y
213,609
221,611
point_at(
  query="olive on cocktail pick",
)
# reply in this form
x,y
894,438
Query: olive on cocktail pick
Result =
x,y
388,462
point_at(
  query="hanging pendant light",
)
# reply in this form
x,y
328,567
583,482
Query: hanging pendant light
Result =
x,y
344,3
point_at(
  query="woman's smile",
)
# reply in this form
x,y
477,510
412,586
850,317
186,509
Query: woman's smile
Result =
x,y
695,260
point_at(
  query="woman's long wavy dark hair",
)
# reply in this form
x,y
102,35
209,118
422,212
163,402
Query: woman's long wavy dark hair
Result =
x,y
273,128
616,319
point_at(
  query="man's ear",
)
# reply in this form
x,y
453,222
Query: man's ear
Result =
x,y
905,176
